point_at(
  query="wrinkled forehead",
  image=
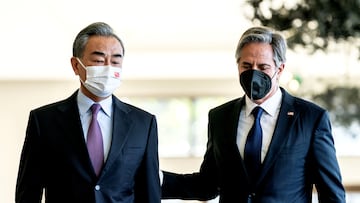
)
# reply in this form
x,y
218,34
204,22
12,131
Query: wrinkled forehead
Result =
x,y
103,46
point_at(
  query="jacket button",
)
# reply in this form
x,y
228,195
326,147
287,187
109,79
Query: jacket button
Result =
x,y
97,187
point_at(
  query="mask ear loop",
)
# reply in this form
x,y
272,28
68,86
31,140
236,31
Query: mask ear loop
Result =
x,y
277,70
84,67
81,63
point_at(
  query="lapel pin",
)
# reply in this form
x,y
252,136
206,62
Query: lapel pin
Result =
x,y
290,113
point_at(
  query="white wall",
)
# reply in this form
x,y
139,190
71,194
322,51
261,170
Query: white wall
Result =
x,y
19,97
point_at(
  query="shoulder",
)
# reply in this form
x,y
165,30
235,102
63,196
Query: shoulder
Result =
x,y
228,107
301,103
60,105
129,108
306,109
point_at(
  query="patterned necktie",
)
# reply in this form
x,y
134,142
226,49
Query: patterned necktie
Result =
x,y
253,145
95,142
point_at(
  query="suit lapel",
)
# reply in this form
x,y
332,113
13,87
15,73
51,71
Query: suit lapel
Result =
x,y
230,127
121,127
233,121
70,123
238,108
286,118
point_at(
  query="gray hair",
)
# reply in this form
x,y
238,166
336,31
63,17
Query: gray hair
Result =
x,y
264,35
94,29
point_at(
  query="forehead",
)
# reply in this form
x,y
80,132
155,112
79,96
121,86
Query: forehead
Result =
x,y
103,44
256,52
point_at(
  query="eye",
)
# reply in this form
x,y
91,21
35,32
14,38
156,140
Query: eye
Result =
x,y
246,66
264,67
116,63
98,61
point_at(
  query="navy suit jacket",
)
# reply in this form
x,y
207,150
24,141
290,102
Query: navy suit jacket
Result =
x,y
55,158
301,154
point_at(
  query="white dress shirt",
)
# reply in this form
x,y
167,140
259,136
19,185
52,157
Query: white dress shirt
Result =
x,y
268,121
104,118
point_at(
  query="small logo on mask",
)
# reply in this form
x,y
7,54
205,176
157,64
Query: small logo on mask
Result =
x,y
116,74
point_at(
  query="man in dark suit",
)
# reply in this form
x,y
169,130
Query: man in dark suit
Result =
x,y
65,157
292,149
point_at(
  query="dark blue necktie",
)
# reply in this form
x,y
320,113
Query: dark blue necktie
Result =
x,y
252,154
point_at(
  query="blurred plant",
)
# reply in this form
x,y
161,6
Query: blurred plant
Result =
x,y
310,24
318,25
343,104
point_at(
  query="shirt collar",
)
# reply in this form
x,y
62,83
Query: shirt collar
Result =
x,y
84,104
270,105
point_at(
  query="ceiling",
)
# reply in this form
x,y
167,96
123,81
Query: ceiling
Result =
x,y
177,38
163,38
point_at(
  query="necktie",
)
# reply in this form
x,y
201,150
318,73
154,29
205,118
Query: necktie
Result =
x,y
253,144
95,141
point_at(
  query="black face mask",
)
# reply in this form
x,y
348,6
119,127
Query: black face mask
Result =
x,y
256,84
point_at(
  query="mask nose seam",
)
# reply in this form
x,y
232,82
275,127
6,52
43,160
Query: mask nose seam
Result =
x,y
251,89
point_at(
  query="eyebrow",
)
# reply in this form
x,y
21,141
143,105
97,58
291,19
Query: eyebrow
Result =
x,y
99,53
259,64
244,62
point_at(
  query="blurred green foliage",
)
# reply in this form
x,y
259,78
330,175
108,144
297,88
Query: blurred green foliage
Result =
x,y
343,103
310,24
317,25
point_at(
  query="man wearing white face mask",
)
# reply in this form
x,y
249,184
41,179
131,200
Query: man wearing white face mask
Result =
x,y
91,147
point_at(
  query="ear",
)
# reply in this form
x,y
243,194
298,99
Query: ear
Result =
x,y
281,69
75,64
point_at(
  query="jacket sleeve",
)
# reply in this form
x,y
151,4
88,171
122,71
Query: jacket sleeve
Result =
x,y
187,187
147,183
30,184
326,171
202,185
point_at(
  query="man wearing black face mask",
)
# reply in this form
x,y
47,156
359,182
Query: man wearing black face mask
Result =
x,y
267,146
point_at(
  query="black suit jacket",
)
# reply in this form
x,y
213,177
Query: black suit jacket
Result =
x,y
301,154
55,158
